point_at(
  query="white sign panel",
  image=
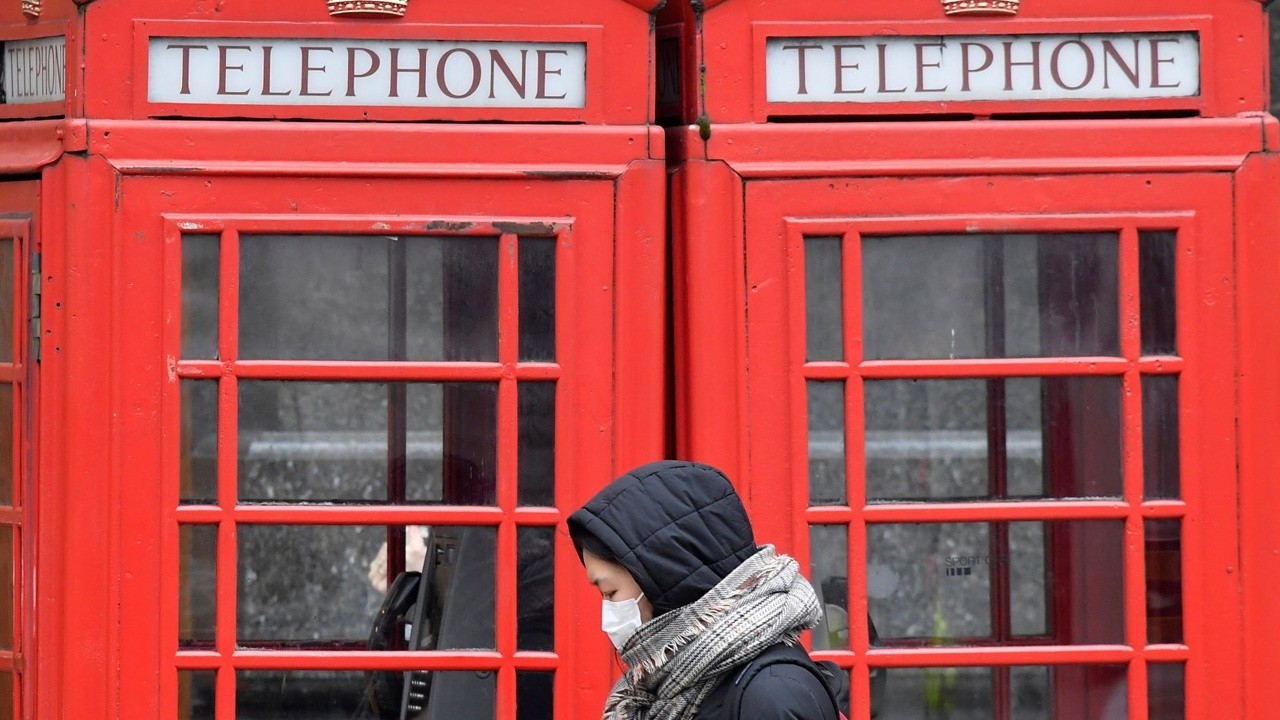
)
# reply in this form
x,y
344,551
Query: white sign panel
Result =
x,y
880,69
409,73
35,71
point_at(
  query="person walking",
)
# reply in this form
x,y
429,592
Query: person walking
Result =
x,y
706,621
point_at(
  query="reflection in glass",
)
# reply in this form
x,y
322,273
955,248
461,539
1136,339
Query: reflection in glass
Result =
x,y
1166,691
334,442
537,299
1006,295
197,596
200,297
829,573
536,460
997,438
1056,692
6,445
320,586
1161,459
535,693
1164,581
826,443
198,463
535,589
944,582
7,300
196,694
824,321
1158,291
368,298
7,586
343,695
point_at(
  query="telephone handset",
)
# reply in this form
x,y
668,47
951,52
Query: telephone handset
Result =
x,y
407,606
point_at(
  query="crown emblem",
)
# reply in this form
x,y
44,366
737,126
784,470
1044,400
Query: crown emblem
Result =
x,y
980,7
368,8
31,8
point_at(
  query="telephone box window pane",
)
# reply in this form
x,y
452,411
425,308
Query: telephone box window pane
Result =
x,y
996,438
537,299
822,299
198,463
1055,692
322,586
1157,252
7,300
536,461
197,572
1166,691
197,694
7,589
6,445
199,297
829,572
368,298
7,710
343,695
1164,581
1161,460
391,442
943,582
535,589
1007,295
826,443
535,695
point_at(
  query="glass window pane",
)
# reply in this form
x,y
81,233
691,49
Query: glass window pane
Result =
x,y
321,586
1158,291
1164,581
197,595
7,429
1161,459
826,443
1166,691
824,321
538,299
368,298
196,694
1008,295
535,588
1079,692
997,438
7,694
7,586
536,462
535,693
343,695
199,453
200,297
7,299
945,579
294,447
829,573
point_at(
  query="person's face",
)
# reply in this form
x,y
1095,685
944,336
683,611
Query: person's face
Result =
x,y
614,582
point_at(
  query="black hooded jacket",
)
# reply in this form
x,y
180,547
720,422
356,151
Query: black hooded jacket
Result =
x,y
679,528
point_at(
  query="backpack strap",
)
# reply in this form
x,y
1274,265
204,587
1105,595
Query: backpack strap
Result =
x,y
779,654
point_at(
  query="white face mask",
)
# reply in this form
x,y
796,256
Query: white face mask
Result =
x,y
620,620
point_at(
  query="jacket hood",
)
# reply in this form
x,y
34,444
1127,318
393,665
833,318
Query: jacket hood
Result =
x,y
678,527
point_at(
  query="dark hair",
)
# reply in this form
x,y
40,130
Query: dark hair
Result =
x,y
594,545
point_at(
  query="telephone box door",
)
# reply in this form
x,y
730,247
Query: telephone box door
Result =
x,y
1009,446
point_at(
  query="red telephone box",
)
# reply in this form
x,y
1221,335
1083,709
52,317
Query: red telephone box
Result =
x,y
345,305
977,299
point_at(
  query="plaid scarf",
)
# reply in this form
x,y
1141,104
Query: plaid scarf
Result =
x,y
679,657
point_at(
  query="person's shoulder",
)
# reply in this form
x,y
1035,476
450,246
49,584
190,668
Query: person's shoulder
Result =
x,y
784,687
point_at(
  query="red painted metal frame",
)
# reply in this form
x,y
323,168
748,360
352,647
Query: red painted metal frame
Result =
x,y
1197,205
20,224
